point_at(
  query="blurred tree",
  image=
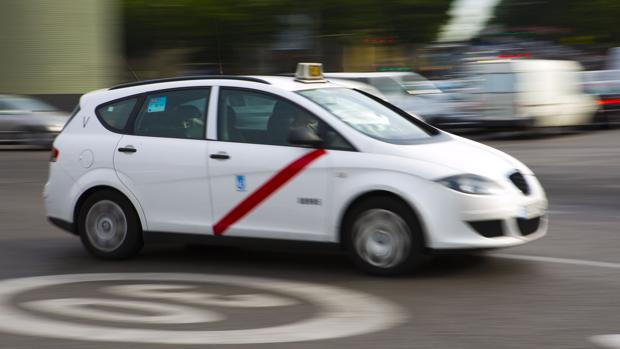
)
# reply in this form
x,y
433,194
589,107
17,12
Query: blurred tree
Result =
x,y
410,21
210,28
592,18
233,31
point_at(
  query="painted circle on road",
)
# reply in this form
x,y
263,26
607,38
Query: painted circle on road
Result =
x,y
339,312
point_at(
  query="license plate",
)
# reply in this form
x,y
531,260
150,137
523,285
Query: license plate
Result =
x,y
535,209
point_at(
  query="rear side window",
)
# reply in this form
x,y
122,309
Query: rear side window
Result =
x,y
174,114
115,115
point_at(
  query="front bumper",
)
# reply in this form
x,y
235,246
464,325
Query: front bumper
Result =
x,y
459,221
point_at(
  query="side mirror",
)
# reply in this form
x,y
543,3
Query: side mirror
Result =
x,y
304,136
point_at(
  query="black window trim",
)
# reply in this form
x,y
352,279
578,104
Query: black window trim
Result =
x,y
141,97
217,135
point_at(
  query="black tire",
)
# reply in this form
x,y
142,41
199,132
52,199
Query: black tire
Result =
x,y
127,246
397,211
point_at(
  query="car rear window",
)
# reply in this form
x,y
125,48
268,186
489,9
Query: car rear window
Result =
x,y
115,115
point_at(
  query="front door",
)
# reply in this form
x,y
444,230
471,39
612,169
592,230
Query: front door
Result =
x,y
261,185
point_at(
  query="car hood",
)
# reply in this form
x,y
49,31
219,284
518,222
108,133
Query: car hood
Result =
x,y
456,155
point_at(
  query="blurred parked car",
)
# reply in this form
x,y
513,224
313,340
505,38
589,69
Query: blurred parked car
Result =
x,y
530,93
359,86
463,101
29,121
408,91
605,85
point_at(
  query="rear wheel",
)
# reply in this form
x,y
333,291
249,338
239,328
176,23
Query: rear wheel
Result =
x,y
108,226
383,237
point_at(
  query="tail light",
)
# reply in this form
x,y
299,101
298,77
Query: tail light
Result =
x,y
609,101
54,155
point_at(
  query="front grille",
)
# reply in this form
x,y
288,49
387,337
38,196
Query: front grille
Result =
x,y
528,226
519,181
488,229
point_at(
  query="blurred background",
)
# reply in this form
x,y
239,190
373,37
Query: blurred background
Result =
x,y
439,59
509,73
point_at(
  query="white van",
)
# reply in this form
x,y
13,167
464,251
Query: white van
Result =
x,y
531,93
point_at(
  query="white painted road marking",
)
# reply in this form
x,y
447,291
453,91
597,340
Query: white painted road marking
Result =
x,y
154,313
340,312
605,340
558,260
199,298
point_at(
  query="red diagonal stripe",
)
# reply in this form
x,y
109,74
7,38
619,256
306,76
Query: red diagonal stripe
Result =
x,y
265,190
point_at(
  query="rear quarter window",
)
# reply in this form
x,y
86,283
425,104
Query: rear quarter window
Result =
x,y
115,115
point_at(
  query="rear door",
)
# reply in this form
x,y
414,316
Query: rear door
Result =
x,y
164,160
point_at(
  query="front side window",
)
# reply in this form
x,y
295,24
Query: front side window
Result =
x,y
173,114
367,115
115,115
260,118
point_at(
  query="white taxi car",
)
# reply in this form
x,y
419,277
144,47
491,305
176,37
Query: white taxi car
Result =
x,y
288,158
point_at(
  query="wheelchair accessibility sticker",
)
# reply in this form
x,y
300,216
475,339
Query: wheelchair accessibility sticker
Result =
x,y
240,180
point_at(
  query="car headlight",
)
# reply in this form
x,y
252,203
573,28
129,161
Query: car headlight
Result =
x,y
54,128
471,184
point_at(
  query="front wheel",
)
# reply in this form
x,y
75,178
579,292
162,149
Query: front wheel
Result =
x,y
383,237
109,227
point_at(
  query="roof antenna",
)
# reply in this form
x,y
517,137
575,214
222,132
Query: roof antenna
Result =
x,y
133,72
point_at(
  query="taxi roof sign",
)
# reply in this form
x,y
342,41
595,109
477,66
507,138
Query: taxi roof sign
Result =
x,y
309,72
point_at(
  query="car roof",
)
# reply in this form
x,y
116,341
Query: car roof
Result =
x,y
133,88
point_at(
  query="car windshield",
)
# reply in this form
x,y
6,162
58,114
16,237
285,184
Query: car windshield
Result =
x,y
367,115
23,103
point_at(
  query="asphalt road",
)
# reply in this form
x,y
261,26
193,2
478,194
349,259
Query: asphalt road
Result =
x,y
546,294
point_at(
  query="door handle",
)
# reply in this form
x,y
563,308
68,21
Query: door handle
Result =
x,y
220,156
127,149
